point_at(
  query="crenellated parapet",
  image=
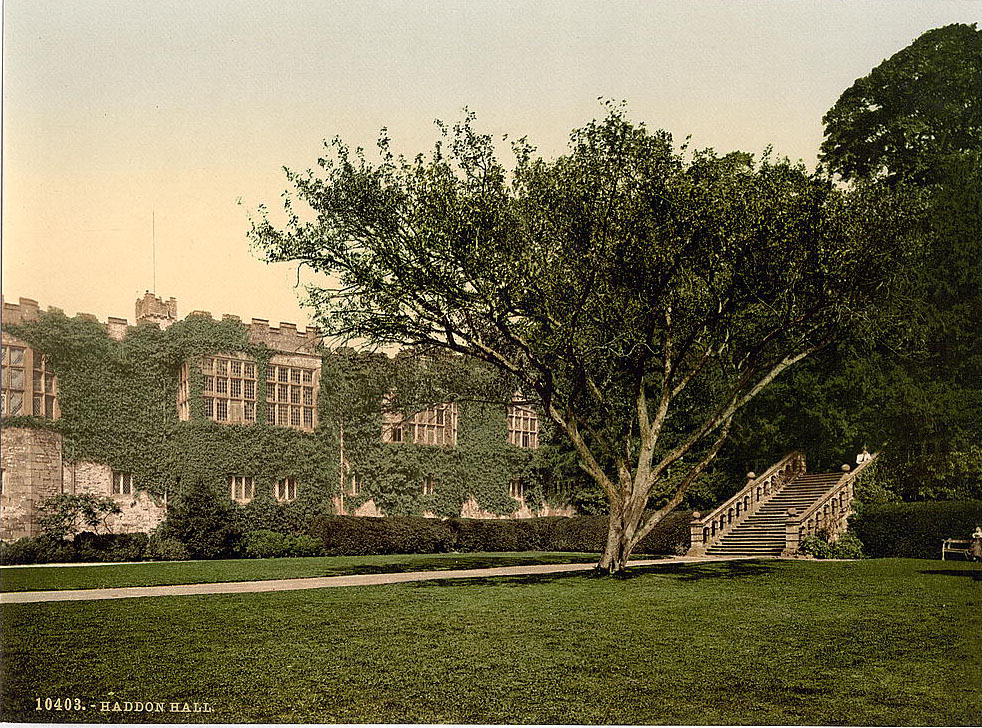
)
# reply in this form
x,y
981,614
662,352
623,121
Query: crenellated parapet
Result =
x,y
285,338
26,309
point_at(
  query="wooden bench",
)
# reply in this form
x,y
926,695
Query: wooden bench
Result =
x,y
956,546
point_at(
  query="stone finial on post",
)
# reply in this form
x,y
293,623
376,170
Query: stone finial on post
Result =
x,y
792,533
697,546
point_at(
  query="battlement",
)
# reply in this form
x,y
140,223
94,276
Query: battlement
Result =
x,y
153,309
284,338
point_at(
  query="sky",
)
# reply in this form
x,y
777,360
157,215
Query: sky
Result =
x,y
138,136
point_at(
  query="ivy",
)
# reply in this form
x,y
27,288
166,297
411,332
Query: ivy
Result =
x,y
118,405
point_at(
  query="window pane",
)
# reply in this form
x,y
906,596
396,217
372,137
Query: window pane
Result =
x,y
308,417
16,378
308,376
209,407
49,407
284,374
236,388
16,356
250,390
295,395
16,402
236,368
249,370
221,367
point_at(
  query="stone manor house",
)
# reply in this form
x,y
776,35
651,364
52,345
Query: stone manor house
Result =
x,y
263,414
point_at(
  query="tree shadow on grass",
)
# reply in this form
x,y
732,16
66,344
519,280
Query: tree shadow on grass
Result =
x,y
681,572
974,574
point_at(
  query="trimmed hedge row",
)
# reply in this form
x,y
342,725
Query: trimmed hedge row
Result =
x,y
358,536
92,547
914,530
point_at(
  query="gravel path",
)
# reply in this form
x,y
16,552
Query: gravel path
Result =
x,y
319,582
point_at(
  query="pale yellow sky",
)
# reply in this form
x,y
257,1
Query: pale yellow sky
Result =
x,y
117,110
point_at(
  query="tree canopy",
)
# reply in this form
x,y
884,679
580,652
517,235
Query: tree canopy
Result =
x,y
641,294
911,112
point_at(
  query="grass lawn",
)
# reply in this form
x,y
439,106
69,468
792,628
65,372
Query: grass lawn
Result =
x,y
769,642
158,573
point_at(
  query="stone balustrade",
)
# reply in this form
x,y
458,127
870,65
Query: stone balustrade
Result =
x,y
710,528
828,515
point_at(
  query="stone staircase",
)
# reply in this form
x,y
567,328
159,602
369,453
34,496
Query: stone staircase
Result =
x,y
762,533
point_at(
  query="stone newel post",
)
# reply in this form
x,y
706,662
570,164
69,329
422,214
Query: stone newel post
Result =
x,y
696,546
792,536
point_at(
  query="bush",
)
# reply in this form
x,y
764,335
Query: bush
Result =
x,y
815,546
42,550
848,546
205,522
355,536
266,544
161,548
914,530
109,546
87,546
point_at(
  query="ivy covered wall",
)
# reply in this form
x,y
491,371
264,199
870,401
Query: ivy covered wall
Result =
x,y
118,406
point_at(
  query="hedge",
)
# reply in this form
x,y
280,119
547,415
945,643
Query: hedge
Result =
x,y
914,530
93,547
357,536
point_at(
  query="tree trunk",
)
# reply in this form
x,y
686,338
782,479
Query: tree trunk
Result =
x,y
620,537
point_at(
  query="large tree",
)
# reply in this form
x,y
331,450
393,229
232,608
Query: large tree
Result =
x,y
641,294
912,112
916,119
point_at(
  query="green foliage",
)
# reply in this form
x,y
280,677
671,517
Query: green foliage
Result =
x,y
64,515
43,550
345,535
846,546
642,294
118,406
912,111
86,546
266,544
204,521
815,546
914,530
161,548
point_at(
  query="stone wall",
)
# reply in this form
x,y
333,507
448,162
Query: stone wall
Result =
x,y
470,509
32,471
141,512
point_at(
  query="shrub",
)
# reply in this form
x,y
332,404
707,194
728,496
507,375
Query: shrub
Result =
x,y
205,522
266,544
848,546
161,548
815,546
109,546
351,535
42,550
914,530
